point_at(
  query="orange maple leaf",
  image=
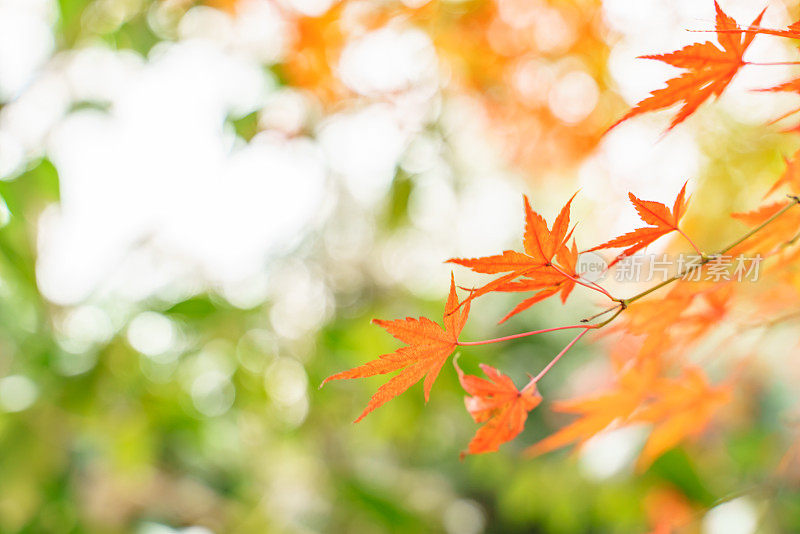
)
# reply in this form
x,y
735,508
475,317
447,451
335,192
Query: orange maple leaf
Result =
x,y
780,230
678,407
709,70
597,412
545,283
791,32
760,214
790,176
683,407
428,347
792,86
541,246
499,404
689,310
657,214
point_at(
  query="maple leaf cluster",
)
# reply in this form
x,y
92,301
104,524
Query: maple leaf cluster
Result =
x,y
653,382
546,266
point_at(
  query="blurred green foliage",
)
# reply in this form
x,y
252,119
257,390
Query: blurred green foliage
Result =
x,y
114,441
115,444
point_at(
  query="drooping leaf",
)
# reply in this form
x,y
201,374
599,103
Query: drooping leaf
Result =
x,y
657,214
709,70
676,407
498,403
428,347
682,407
597,412
681,316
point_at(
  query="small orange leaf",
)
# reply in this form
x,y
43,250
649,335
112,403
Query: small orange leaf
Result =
x,y
428,347
540,242
499,404
657,214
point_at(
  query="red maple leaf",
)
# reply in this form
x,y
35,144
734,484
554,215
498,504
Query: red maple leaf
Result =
x,y
428,347
498,403
657,214
709,70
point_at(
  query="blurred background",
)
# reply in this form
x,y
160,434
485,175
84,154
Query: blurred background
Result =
x,y
203,204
